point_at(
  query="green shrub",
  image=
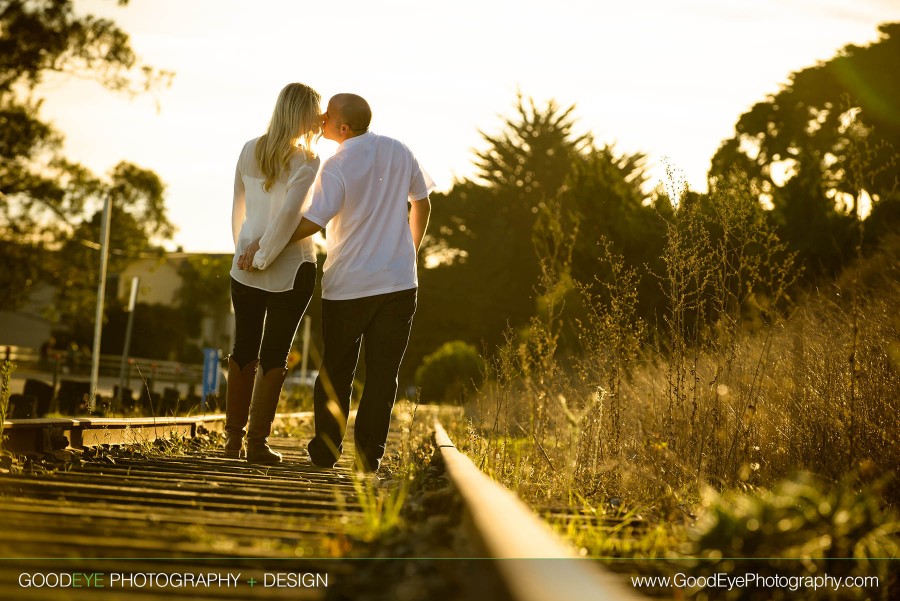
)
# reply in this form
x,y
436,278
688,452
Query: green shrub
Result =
x,y
801,528
450,373
6,369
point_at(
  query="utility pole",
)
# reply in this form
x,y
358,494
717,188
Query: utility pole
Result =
x,y
135,282
101,293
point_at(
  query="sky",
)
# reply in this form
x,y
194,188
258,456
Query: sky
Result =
x,y
668,78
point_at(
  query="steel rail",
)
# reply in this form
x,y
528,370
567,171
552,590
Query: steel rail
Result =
x,y
533,562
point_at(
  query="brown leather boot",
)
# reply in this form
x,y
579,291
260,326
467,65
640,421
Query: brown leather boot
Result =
x,y
237,405
262,413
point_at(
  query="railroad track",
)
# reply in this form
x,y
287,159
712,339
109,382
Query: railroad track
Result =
x,y
130,524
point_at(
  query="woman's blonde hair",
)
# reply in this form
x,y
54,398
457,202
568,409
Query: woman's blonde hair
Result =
x,y
295,123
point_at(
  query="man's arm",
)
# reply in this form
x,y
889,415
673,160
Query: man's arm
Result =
x,y
305,229
419,212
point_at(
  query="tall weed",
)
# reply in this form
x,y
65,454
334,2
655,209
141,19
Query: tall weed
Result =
x,y
727,391
6,369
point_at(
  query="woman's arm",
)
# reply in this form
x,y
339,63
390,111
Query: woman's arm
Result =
x,y
278,233
305,229
238,206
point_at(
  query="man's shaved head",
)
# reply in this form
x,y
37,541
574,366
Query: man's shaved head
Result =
x,y
352,110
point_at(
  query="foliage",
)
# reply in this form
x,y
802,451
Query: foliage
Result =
x,y
725,271
6,369
381,507
205,283
800,148
539,181
841,530
138,215
476,242
49,202
534,151
605,197
738,416
24,265
611,337
205,291
784,401
832,397
173,331
41,37
621,392
160,332
450,373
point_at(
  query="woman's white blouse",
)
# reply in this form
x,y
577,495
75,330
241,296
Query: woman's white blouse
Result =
x,y
272,217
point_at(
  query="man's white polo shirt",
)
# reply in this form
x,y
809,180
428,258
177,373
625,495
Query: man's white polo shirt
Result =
x,y
361,198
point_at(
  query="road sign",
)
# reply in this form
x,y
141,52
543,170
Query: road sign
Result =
x,y
210,375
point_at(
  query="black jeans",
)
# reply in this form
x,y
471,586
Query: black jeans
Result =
x,y
382,323
265,322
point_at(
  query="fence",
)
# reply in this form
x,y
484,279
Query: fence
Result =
x,y
70,373
74,363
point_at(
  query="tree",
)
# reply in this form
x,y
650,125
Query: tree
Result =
x,y
538,179
817,147
534,151
205,291
175,331
48,201
450,373
160,332
483,241
137,215
605,192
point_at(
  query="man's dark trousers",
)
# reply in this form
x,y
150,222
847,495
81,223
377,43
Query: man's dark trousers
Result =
x,y
381,322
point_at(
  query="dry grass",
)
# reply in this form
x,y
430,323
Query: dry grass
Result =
x,y
732,391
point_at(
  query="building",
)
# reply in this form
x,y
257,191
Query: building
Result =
x,y
31,325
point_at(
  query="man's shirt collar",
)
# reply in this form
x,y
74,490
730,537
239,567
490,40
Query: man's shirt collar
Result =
x,y
355,140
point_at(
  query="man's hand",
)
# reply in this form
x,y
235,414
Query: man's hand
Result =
x,y
245,262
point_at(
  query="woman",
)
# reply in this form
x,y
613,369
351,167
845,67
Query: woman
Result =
x,y
274,176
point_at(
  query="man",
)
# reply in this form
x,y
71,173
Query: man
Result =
x,y
370,281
